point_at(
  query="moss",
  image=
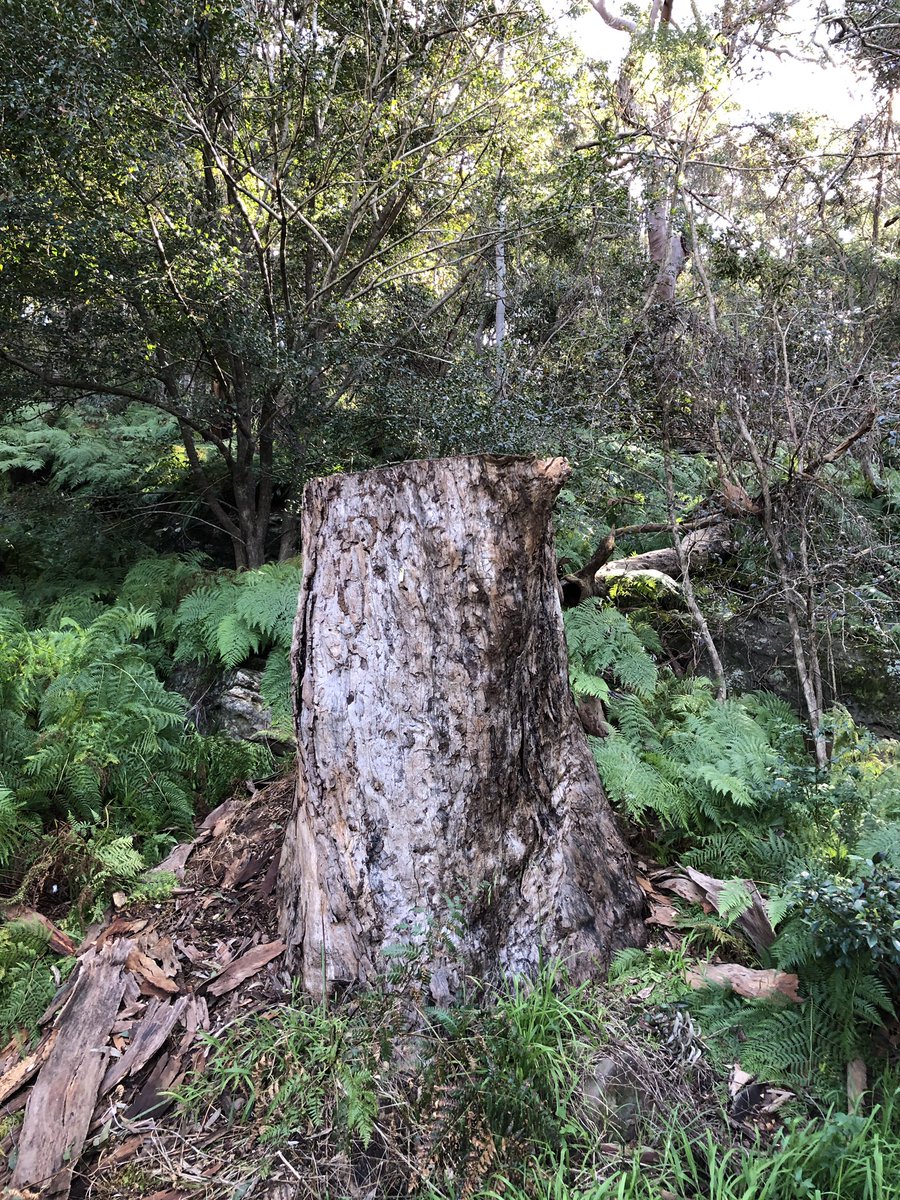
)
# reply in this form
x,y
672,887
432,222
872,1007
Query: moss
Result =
x,y
131,1182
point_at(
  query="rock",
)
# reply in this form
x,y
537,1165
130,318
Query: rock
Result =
x,y
236,707
610,1102
757,654
227,703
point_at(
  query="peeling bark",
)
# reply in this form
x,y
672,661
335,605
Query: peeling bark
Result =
x,y
439,752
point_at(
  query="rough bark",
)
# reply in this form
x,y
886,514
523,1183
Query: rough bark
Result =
x,y
60,1106
439,751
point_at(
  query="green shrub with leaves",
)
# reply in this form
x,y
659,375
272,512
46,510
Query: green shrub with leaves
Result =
x,y
730,788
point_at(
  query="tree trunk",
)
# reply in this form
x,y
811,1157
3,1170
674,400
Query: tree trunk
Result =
x,y
440,755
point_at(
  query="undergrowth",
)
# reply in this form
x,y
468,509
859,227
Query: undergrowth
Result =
x,y
489,1099
730,789
100,768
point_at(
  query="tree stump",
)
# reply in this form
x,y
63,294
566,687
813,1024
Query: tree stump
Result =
x,y
439,753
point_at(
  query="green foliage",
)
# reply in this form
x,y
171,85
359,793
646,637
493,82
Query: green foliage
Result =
x,y
231,616
692,763
18,827
729,788
27,978
512,1065
94,728
602,641
483,1099
92,449
95,753
82,865
300,1068
846,918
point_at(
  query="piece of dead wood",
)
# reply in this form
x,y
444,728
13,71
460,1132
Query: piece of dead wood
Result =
x,y
222,817
753,921
10,1055
662,914
746,981
121,927
251,869
738,1079
151,1100
15,1105
176,860
196,1015
61,998
19,1074
774,1099
61,1104
234,868
190,952
152,1030
245,966
149,974
267,887
59,943
856,1084
682,886
124,1152
163,951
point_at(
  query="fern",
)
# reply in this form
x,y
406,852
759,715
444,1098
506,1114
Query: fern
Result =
x,y
27,981
631,781
603,641
267,601
18,827
801,1046
275,689
235,615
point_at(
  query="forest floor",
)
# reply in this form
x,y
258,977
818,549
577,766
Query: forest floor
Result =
x,y
202,1086
185,967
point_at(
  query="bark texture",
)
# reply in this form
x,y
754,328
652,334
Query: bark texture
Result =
x,y
440,755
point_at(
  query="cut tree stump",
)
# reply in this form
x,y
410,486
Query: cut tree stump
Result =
x,y
440,755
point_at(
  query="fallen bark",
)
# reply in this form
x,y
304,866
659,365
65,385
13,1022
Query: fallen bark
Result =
x,y
747,982
61,1104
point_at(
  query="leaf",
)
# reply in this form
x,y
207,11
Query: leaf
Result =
x,y
150,972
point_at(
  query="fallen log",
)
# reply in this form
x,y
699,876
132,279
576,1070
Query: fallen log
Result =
x,y
704,543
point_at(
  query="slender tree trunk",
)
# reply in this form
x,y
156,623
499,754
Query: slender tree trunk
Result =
x,y
439,753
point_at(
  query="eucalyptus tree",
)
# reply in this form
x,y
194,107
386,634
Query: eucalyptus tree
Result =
x,y
244,214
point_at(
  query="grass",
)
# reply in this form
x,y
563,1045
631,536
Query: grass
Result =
x,y
487,1100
